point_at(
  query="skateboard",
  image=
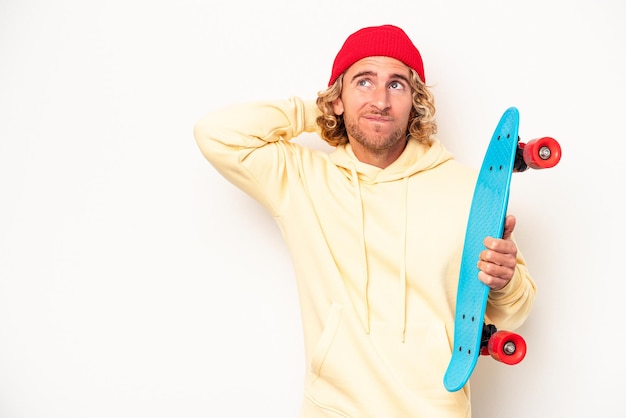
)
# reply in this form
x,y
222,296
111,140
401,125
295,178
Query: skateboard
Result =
x,y
472,337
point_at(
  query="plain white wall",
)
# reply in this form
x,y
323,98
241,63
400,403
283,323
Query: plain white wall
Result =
x,y
136,282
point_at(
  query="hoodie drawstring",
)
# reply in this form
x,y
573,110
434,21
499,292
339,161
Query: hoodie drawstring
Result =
x,y
403,279
359,211
365,272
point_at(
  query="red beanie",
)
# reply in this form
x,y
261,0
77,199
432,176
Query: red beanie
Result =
x,y
386,41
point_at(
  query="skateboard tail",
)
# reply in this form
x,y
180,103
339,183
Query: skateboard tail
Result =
x,y
486,218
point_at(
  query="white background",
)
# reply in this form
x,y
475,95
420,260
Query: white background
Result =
x,y
136,282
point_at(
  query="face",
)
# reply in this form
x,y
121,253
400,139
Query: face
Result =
x,y
376,102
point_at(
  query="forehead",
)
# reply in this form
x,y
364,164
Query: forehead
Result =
x,y
379,65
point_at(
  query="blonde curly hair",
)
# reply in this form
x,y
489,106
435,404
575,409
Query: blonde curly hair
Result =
x,y
422,125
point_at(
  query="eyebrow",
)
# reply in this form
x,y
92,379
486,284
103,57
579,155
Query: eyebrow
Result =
x,y
373,73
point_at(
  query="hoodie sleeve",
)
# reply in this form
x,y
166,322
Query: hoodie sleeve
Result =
x,y
509,307
249,144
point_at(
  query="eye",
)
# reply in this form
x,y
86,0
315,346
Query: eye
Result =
x,y
363,82
396,85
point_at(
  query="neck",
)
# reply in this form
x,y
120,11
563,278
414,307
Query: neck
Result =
x,y
377,158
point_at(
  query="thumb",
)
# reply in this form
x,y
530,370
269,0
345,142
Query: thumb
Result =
x,y
509,226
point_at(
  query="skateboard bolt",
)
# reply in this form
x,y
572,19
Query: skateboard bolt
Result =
x,y
544,153
509,348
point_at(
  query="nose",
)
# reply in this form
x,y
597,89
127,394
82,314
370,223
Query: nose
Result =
x,y
380,98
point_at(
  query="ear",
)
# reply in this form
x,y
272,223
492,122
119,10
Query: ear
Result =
x,y
338,106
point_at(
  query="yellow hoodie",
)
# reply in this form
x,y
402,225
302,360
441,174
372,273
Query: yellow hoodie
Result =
x,y
376,254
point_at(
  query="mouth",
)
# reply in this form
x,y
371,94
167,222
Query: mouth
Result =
x,y
378,118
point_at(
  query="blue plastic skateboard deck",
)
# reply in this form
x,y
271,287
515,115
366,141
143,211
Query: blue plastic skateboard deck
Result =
x,y
486,218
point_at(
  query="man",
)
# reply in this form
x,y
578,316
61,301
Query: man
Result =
x,y
375,229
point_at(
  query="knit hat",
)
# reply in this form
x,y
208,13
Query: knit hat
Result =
x,y
386,41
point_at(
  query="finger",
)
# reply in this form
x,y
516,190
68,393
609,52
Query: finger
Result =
x,y
496,248
493,282
500,266
494,275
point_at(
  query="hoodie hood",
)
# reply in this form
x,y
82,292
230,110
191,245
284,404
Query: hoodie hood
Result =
x,y
416,157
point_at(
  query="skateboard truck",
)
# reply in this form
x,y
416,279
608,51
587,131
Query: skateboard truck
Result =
x,y
488,331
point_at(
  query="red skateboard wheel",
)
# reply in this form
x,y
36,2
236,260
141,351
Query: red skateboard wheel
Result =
x,y
541,153
507,347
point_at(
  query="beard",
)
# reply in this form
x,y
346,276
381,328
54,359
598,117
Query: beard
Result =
x,y
376,141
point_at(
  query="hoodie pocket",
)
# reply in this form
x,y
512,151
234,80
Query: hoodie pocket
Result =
x,y
331,326
421,361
